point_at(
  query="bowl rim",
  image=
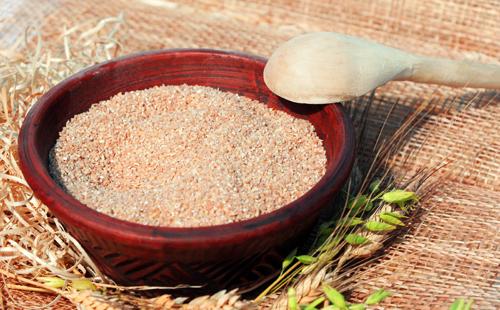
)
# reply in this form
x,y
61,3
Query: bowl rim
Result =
x,y
70,210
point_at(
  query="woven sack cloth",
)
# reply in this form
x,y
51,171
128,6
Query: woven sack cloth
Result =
x,y
454,250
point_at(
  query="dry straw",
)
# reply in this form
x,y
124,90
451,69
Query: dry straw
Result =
x,y
38,255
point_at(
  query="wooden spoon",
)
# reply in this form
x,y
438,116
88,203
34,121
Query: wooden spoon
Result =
x,y
327,67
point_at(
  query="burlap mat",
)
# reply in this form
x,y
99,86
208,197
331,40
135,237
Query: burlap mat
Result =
x,y
454,251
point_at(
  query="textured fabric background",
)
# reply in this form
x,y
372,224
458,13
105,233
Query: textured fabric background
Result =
x,y
455,250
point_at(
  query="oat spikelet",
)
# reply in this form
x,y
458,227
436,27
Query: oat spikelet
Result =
x,y
329,267
88,300
220,300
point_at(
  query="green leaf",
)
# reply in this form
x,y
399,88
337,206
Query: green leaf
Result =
x,y
369,206
357,307
395,214
350,221
355,239
379,226
357,203
335,296
306,259
399,196
82,285
329,255
325,229
292,300
289,259
314,303
324,233
460,304
391,219
53,282
377,297
375,186
331,244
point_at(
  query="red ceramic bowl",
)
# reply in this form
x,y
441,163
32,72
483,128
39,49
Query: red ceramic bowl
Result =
x,y
234,255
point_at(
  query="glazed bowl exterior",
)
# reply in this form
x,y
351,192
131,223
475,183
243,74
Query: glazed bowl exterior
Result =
x,y
241,254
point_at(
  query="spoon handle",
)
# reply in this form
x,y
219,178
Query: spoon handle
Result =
x,y
454,73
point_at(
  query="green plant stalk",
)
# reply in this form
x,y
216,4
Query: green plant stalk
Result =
x,y
287,279
298,267
275,282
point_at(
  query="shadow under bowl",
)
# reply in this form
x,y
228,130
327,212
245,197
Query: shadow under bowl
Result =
x,y
241,254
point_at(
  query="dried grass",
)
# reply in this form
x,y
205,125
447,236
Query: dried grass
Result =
x,y
34,243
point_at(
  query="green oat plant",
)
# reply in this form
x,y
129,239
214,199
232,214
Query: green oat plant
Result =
x,y
372,214
462,304
365,222
336,299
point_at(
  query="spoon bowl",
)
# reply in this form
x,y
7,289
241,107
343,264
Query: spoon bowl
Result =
x,y
325,67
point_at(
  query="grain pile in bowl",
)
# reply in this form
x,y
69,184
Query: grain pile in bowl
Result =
x,y
186,156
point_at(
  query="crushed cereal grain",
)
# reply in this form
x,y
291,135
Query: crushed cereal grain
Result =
x,y
186,156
